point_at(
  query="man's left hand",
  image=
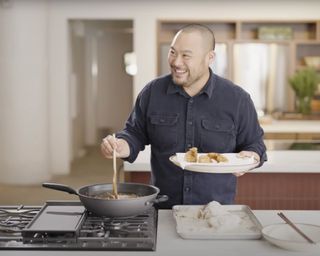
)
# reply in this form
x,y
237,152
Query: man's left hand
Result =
x,y
244,154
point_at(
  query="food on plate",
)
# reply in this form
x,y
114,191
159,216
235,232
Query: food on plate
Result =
x,y
218,157
204,159
213,155
191,155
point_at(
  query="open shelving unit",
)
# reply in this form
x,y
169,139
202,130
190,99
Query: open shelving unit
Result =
x,y
305,39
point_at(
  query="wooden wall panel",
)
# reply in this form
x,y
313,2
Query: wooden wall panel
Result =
x,y
280,191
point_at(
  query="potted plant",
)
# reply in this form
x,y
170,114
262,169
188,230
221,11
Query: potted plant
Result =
x,y
304,83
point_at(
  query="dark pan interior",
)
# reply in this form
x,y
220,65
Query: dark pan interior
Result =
x,y
126,188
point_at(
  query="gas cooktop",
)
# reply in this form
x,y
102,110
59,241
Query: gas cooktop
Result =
x,y
67,225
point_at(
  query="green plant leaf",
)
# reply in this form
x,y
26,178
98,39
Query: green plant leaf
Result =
x,y
304,82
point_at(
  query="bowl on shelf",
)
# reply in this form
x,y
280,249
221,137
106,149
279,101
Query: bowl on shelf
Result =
x,y
312,61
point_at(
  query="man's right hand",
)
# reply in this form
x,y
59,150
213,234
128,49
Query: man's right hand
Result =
x,y
110,143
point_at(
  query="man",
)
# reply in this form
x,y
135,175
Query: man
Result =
x,y
191,107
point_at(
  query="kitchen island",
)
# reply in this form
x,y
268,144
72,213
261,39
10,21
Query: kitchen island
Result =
x,y
170,243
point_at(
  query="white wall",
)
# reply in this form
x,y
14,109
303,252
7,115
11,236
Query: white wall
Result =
x,y
145,15
24,156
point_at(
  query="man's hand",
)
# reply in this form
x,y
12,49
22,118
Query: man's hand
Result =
x,y
110,143
244,154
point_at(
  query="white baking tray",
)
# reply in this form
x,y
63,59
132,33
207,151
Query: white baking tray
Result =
x,y
189,226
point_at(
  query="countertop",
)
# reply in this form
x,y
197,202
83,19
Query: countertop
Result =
x,y
170,243
279,161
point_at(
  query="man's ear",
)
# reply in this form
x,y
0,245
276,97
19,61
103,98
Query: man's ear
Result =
x,y
211,56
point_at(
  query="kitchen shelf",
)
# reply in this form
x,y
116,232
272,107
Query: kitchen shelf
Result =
x,y
301,30
304,49
222,29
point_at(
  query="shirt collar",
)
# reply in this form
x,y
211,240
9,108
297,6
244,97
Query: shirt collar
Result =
x,y
207,89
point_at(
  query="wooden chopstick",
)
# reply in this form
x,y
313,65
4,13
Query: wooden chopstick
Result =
x,y
115,179
291,224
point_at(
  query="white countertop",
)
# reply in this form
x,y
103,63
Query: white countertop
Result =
x,y
170,243
279,161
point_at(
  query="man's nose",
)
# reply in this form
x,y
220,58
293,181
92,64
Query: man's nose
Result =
x,y
177,61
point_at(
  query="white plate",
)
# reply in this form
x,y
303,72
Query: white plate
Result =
x,y
234,165
188,226
284,236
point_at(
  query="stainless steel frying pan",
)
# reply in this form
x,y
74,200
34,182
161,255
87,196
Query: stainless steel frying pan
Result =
x,y
147,196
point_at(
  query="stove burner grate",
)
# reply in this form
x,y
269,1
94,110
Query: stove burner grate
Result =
x,y
13,219
66,225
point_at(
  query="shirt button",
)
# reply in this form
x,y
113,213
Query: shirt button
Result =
x,y
189,145
187,189
190,122
191,101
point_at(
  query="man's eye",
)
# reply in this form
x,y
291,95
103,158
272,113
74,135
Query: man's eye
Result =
x,y
186,56
172,52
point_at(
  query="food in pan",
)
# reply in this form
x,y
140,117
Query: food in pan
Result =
x,y
109,195
191,155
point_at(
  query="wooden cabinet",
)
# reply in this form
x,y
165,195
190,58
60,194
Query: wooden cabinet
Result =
x,y
302,39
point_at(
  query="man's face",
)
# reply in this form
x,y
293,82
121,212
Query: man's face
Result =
x,y
188,59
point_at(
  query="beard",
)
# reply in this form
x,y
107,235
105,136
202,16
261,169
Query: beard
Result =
x,y
185,79
182,79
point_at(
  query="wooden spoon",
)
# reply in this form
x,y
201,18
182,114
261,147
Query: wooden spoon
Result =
x,y
115,187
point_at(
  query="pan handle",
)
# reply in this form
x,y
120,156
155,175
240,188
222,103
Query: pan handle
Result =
x,y
159,199
59,187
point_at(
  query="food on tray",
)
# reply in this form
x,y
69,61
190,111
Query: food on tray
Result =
x,y
191,155
214,215
216,221
218,217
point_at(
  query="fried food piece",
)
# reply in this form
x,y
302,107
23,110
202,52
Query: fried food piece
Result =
x,y
213,155
191,155
221,158
217,157
204,159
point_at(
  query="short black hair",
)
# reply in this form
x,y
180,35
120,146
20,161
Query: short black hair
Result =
x,y
205,31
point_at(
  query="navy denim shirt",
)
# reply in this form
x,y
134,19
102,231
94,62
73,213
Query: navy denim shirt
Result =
x,y
221,118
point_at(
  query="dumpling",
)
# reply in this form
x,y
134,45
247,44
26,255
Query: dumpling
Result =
x,y
191,155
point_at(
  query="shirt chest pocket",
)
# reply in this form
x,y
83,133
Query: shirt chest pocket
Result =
x,y
163,131
217,135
